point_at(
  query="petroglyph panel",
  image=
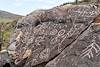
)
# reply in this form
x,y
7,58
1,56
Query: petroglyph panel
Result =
x,y
85,50
49,35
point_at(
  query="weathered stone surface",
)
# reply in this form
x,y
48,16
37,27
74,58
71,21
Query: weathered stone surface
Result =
x,y
75,13
84,52
46,41
43,35
5,60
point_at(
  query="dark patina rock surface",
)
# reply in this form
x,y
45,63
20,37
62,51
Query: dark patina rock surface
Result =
x,y
55,38
84,52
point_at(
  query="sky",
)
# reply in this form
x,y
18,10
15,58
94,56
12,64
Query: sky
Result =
x,y
24,7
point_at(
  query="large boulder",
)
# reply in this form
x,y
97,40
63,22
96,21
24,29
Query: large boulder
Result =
x,y
44,36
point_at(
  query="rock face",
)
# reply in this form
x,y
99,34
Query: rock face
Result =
x,y
5,60
84,52
58,37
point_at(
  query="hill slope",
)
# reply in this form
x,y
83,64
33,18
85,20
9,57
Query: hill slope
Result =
x,y
7,16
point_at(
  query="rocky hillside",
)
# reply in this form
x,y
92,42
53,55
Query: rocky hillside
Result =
x,y
7,16
57,37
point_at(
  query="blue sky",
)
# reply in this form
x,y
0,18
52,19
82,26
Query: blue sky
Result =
x,y
24,7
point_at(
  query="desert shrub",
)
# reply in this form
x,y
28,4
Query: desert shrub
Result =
x,y
7,29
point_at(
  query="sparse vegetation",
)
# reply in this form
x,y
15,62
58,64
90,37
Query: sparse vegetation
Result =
x,y
7,23
5,20
7,29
